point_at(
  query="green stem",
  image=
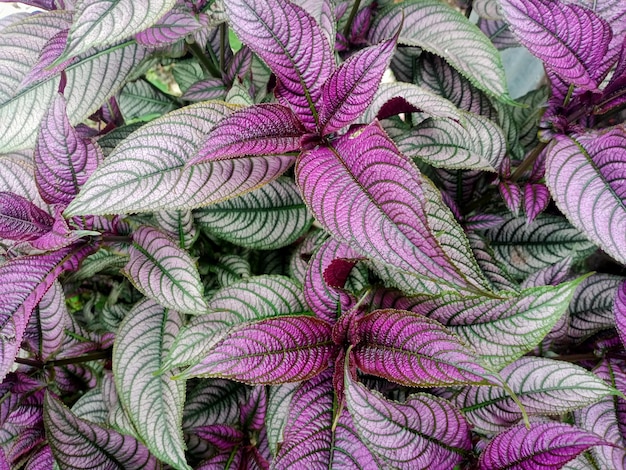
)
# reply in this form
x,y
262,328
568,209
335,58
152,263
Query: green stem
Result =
x,y
207,65
353,12
517,401
528,161
94,356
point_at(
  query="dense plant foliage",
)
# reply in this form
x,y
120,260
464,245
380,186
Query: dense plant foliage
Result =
x,y
226,243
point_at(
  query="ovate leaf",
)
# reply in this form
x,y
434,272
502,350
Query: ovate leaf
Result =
x,y
292,44
268,218
275,350
544,445
149,171
571,41
384,219
585,177
101,22
46,329
78,444
544,386
410,435
22,220
63,160
179,225
154,403
466,48
164,272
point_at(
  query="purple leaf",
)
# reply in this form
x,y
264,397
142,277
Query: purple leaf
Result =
x,y
154,403
494,271
239,65
326,302
164,272
161,178
49,54
550,276
544,445
47,324
466,48
384,217
275,350
350,89
292,44
414,351
63,159
78,444
209,89
619,309
586,177
258,130
213,401
310,440
544,386
536,200
512,196
301,256
176,24
570,40
423,432
40,460
17,175
499,33
21,220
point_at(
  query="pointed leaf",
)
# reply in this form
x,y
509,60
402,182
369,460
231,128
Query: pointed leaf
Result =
x,y
415,351
494,271
570,40
536,200
48,322
269,27
278,404
107,69
91,407
384,191
204,90
543,445
21,220
275,350
350,89
17,175
270,217
425,432
164,272
258,130
525,248
63,159
544,386
78,444
154,403
160,178
311,441
179,225
466,48
213,401
101,22
585,177
140,100
176,24
231,269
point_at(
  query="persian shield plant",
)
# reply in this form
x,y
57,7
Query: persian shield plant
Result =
x,y
227,242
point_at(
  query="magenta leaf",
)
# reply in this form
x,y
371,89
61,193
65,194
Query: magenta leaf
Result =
x,y
292,44
570,40
49,54
536,200
176,24
415,351
512,196
46,328
384,219
63,159
350,89
209,89
78,444
586,178
544,445
309,436
164,272
275,350
258,130
17,175
619,308
425,432
21,220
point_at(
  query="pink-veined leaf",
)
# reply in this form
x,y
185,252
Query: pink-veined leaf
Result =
x,y
607,417
350,89
311,441
415,351
570,40
369,196
544,445
466,48
586,178
275,350
258,130
149,171
154,403
544,386
21,220
78,444
425,432
63,160
292,44
164,272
